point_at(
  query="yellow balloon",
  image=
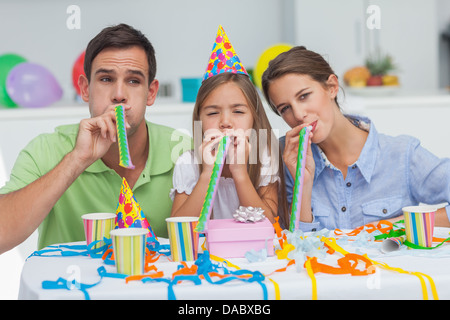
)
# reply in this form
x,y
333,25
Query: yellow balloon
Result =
x,y
264,59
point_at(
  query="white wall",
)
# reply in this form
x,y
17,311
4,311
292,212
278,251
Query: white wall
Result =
x,y
443,16
181,31
408,31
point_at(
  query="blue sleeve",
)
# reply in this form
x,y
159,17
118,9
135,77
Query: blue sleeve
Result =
x,y
289,181
289,185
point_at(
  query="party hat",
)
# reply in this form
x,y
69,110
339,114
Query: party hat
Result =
x,y
129,212
223,57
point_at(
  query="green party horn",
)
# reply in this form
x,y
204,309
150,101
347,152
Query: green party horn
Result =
x,y
299,176
125,158
213,184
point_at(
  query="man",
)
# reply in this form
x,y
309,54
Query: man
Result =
x,y
60,176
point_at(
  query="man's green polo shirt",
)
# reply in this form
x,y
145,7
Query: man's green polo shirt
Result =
x,y
97,189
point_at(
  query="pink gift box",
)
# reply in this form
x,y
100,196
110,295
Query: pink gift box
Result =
x,y
227,238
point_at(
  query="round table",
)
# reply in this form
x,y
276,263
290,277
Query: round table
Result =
x,y
294,283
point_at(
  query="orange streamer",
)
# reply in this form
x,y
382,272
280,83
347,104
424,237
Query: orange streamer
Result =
x,y
155,275
347,265
278,232
383,226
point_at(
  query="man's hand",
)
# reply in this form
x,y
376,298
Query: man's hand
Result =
x,y
96,135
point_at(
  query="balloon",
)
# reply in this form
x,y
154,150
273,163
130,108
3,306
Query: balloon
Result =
x,y
77,70
31,85
7,62
264,59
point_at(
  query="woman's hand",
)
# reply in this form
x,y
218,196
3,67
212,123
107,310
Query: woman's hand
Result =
x,y
290,155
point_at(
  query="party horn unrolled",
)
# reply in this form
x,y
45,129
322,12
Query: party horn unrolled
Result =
x,y
213,183
98,226
129,250
299,177
419,224
182,237
124,152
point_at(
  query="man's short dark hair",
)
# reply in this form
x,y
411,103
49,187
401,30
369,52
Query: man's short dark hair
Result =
x,y
120,36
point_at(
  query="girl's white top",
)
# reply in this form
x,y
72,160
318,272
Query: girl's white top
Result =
x,y
226,201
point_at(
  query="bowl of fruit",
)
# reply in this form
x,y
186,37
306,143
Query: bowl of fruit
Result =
x,y
376,77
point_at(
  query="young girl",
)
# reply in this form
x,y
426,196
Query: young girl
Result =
x,y
228,104
354,175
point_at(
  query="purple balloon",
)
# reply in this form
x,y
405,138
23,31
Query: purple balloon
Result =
x,y
33,86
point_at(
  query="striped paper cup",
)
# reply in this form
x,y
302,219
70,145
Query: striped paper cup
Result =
x,y
419,224
129,250
182,237
97,226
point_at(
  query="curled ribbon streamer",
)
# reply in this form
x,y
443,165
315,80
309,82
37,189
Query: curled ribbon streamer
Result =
x,y
392,233
155,275
291,262
345,265
108,256
416,246
369,228
275,284
205,269
278,231
243,275
331,242
276,288
283,253
313,266
417,274
311,275
228,263
69,285
68,250
105,253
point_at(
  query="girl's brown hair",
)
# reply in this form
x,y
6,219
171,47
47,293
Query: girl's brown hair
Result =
x,y
297,60
260,121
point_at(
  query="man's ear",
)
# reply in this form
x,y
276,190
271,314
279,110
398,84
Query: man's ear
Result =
x,y
83,84
152,91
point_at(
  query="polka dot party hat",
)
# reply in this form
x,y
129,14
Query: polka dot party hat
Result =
x,y
129,213
223,57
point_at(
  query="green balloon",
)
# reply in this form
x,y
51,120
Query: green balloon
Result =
x,y
7,62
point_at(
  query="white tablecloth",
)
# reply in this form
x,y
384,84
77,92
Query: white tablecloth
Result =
x,y
293,283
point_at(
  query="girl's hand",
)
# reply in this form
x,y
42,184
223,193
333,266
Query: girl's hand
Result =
x,y
290,154
238,153
208,150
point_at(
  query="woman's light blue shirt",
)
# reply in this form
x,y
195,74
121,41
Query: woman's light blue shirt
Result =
x,y
390,173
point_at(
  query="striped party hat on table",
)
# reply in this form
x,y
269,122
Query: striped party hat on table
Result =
x,y
223,57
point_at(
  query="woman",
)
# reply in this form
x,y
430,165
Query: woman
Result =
x,y
354,175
